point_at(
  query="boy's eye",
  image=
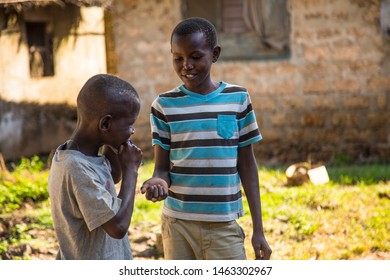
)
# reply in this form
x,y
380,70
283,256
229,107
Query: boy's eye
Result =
x,y
178,59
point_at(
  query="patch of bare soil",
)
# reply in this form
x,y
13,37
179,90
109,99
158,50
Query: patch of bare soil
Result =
x,y
375,256
146,243
26,244
41,244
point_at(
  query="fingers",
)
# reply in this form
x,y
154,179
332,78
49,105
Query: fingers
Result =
x,y
258,254
153,182
266,255
149,195
260,246
262,254
130,154
155,193
155,189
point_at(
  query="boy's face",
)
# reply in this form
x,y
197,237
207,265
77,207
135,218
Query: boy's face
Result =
x,y
120,129
192,60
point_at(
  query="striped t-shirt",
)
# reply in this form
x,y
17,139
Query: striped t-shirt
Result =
x,y
203,134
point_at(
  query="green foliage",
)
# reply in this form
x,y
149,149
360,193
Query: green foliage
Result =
x,y
27,182
327,222
33,164
363,174
341,159
347,218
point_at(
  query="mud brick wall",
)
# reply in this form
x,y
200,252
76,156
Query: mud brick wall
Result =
x,y
38,114
330,98
29,128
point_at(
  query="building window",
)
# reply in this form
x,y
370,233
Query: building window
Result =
x,y
40,45
247,29
385,17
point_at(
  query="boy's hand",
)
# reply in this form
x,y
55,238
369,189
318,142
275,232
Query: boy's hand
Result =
x,y
155,189
261,247
129,155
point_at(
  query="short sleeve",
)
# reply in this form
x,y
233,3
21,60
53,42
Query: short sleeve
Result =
x,y
96,197
248,129
159,126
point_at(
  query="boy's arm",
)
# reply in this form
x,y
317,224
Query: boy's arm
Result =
x,y
247,169
156,188
129,160
116,170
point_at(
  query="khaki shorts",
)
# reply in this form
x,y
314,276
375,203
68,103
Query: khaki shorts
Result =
x,y
193,240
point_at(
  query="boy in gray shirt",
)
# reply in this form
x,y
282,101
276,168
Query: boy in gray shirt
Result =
x,y
91,220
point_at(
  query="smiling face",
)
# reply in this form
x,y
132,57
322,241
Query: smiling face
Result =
x,y
192,60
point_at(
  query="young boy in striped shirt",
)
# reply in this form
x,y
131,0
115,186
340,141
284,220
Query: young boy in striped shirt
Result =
x,y
203,133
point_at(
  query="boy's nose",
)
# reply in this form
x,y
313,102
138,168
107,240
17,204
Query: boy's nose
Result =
x,y
188,65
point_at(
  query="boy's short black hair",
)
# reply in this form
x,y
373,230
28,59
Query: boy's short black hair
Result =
x,y
197,24
103,93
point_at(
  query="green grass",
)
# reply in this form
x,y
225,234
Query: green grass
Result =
x,y
347,218
26,183
327,222
359,174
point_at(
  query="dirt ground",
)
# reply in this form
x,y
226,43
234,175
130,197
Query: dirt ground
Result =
x,y
144,246
41,244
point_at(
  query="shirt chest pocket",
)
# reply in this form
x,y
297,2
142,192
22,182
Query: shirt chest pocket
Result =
x,y
226,126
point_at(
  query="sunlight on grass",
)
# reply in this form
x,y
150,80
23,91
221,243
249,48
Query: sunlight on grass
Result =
x,y
331,221
145,212
347,218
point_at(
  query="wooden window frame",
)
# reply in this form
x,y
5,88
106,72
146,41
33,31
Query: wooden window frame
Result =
x,y
40,47
236,44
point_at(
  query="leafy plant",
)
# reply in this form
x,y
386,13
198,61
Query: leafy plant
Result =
x,y
347,218
27,182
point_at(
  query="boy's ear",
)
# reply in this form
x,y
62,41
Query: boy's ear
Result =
x,y
105,123
216,53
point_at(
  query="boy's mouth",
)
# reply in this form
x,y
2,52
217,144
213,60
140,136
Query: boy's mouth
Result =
x,y
188,76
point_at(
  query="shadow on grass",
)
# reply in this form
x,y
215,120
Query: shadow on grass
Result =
x,y
359,174
349,174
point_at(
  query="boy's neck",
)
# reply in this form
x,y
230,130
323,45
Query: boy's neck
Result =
x,y
211,87
84,145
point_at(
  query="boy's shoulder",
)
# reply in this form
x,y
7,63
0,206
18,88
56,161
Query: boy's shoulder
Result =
x,y
174,92
74,161
68,160
234,88
227,87
177,92
168,96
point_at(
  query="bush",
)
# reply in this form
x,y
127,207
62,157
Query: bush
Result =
x,y
27,182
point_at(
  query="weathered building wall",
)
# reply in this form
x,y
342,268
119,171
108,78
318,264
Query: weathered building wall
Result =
x,y
28,124
141,32
30,128
330,97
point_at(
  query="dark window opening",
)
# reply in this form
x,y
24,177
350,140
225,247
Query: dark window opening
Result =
x,y
40,46
232,17
247,29
3,19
